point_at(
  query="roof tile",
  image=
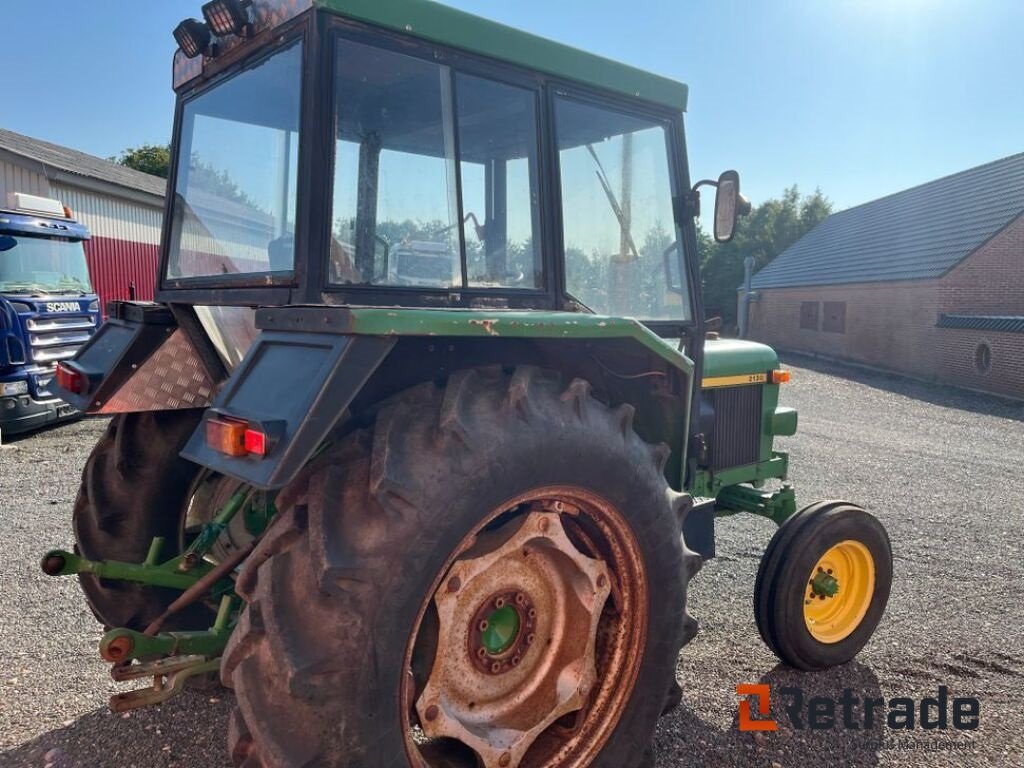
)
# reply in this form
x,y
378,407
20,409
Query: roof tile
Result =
x,y
921,232
73,161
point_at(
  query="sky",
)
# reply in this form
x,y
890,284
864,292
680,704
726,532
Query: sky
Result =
x,y
859,98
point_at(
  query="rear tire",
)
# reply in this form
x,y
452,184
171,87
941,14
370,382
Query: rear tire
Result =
x,y
336,588
134,488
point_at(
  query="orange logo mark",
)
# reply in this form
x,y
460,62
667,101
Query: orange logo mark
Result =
x,y
763,693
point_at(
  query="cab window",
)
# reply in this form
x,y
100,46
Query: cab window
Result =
x,y
409,136
622,253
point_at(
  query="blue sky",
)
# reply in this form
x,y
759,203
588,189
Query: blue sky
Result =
x,y
858,97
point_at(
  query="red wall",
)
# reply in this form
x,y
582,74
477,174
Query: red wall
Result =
x,y
115,264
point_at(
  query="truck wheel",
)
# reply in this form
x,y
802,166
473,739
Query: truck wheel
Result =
x,y
823,585
134,488
493,573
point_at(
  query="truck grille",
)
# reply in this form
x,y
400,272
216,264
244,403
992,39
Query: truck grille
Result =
x,y
736,434
57,338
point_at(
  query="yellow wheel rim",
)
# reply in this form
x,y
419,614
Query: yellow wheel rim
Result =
x,y
838,591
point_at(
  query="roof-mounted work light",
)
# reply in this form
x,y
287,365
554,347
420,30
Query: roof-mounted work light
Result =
x,y
193,37
228,17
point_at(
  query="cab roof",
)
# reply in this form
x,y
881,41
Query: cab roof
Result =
x,y
448,26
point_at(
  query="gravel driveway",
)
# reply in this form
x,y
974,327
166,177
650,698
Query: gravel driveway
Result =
x,y
938,466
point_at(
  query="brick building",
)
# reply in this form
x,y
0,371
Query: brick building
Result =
x,y
928,282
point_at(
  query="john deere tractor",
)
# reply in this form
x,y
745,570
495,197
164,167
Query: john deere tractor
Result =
x,y
425,438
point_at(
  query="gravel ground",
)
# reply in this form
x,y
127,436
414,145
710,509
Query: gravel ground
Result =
x,y
933,463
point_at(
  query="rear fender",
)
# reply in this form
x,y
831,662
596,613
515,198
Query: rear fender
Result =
x,y
292,387
139,360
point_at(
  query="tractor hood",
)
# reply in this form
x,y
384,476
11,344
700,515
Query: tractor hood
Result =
x,y
735,357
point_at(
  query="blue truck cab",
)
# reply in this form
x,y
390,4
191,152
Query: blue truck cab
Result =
x,y
47,307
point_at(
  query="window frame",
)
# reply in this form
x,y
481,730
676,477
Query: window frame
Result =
x,y
672,125
342,30
252,288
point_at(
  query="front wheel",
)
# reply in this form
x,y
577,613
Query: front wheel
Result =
x,y
823,585
494,576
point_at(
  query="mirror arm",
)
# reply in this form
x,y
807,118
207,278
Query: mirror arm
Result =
x,y
691,199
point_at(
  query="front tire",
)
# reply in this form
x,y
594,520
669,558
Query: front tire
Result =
x,y
823,585
331,659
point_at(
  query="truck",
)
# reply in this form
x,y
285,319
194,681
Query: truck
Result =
x,y
448,521
48,309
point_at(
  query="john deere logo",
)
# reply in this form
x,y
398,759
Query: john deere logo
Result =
x,y
62,306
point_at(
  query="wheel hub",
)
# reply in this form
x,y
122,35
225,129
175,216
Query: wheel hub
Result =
x,y
840,590
517,641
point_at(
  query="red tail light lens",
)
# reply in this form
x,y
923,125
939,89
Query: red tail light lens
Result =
x,y
70,379
255,442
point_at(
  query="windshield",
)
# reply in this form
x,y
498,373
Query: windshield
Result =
x,y
234,201
42,266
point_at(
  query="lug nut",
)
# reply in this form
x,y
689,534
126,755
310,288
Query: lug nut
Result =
x,y
499,603
482,626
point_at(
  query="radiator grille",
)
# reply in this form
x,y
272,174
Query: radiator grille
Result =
x,y
57,337
736,434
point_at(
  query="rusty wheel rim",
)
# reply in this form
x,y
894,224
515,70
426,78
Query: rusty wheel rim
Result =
x,y
527,647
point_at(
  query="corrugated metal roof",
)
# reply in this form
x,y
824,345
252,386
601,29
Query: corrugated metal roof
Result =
x,y
1001,323
918,233
80,164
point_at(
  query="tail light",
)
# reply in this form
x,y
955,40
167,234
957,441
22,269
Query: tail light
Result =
x,y
70,379
255,442
234,437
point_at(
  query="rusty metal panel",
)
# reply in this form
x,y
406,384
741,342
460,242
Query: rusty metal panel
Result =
x,y
172,378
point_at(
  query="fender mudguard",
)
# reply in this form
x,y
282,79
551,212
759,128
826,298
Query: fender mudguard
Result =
x,y
139,360
293,387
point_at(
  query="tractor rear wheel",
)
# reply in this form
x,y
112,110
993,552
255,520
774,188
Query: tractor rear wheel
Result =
x,y
493,575
135,488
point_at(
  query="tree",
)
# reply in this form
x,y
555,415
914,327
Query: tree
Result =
x,y
770,229
154,159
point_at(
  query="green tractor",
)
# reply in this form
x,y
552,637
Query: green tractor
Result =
x,y
426,437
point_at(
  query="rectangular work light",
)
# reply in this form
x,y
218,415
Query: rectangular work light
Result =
x,y
193,37
227,17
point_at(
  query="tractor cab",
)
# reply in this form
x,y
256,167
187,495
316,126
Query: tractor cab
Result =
x,y
328,156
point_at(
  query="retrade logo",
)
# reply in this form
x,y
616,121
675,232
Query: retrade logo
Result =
x,y
764,707
855,713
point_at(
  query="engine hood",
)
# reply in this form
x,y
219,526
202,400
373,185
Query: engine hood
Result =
x,y
735,357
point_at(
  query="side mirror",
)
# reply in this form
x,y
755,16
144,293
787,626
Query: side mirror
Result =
x,y
729,206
